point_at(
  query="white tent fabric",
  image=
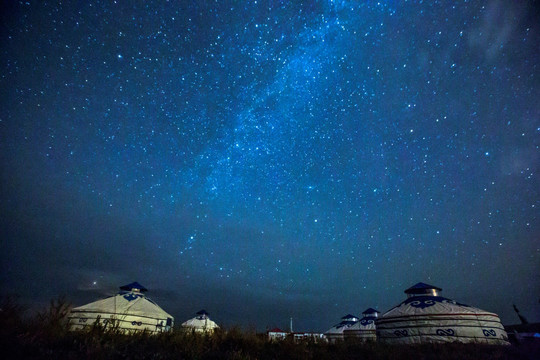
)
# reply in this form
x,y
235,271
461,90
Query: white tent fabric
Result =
x,y
130,310
335,333
200,323
363,330
426,317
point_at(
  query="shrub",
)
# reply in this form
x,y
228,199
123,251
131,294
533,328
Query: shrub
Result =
x,y
46,336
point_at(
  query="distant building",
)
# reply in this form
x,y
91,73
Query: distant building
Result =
x,y
299,337
277,334
426,317
364,329
335,333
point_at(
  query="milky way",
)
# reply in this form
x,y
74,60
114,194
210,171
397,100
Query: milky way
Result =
x,y
268,160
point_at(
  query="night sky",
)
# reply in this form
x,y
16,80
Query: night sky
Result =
x,y
271,159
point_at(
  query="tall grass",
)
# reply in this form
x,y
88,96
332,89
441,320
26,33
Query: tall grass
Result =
x,y
46,336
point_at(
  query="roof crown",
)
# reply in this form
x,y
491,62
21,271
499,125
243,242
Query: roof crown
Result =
x,y
134,286
370,311
350,317
422,289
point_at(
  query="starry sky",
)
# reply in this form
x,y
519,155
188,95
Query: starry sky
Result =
x,y
271,159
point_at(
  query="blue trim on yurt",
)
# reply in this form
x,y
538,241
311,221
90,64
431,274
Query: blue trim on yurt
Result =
x,y
349,316
202,312
422,302
133,285
420,288
129,296
368,320
344,323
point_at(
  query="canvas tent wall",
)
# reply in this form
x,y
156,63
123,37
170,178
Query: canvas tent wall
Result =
x,y
335,333
426,317
201,323
130,310
364,329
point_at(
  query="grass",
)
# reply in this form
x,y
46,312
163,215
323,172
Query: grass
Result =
x,y
46,336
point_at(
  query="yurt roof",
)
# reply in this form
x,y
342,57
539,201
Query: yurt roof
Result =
x,y
367,323
344,324
433,304
202,312
126,302
339,328
427,304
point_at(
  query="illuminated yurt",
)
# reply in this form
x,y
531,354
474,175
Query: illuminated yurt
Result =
x,y
364,329
427,317
201,323
127,311
335,333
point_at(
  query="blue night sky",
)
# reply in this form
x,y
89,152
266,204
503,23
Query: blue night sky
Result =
x,y
271,159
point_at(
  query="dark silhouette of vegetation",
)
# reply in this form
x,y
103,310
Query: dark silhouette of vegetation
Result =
x,y
521,317
46,336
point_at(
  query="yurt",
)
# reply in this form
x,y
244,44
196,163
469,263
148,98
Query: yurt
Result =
x,y
364,329
427,317
127,311
201,323
335,333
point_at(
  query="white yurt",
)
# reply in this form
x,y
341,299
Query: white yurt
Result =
x,y
426,317
335,333
364,329
201,323
128,311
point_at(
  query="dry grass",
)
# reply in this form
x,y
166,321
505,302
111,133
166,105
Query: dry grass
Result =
x,y
46,337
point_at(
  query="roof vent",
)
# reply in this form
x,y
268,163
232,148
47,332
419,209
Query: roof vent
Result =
x,y
370,312
422,289
134,286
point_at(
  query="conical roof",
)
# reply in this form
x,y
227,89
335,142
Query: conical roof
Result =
x,y
129,310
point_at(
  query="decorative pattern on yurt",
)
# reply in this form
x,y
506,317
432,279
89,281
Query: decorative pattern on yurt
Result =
x,y
364,329
128,311
426,317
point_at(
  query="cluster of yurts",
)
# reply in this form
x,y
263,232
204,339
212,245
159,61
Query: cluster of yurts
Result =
x,y
130,310
424,317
